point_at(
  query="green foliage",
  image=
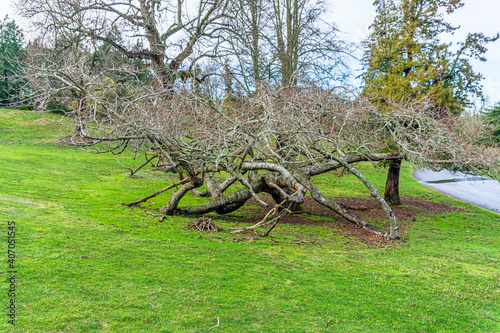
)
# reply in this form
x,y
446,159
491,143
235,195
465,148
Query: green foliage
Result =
x,y
492,116
406,60
12,55
87,264
56,107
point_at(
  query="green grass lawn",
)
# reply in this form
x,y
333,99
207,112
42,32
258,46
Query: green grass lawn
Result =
x,y
86,264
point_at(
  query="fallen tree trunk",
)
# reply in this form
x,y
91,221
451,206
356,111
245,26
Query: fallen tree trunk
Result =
x,y
286,186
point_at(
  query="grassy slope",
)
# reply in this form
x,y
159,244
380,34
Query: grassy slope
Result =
x,y
86,264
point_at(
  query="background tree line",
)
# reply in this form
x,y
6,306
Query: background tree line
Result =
x,y
251,42
12,56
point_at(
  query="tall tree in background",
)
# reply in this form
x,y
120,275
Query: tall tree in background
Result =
x,y
246,41
304,44
12,55
406,61
283,42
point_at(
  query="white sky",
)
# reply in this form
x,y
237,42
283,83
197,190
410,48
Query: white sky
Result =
x,y
353,18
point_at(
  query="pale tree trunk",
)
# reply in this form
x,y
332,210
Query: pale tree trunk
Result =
x,y
287,24
255,53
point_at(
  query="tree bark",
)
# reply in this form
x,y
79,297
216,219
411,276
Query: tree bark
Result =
x,y
321,199
223,205
393,234
391,194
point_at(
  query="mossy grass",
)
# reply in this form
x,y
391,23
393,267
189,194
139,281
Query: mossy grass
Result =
x,y
87,264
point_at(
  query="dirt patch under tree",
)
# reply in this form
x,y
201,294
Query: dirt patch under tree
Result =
x,y
367,208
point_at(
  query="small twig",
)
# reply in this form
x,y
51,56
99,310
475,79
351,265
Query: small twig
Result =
x,y
249,239
300,242
355,207
259,224
270,229
159,215
255,226
410,316
218,324
87,257
153,214
132,172
489,317
155,194
277,219
329,320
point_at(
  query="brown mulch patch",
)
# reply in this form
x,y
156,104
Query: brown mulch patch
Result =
x,y
366,208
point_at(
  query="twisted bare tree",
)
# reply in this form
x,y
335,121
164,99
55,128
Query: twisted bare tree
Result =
x,y
198,137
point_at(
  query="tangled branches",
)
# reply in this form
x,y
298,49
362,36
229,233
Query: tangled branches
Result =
x,y
274,142
204,224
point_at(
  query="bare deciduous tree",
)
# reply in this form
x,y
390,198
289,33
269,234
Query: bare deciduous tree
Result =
x,y
245,39
162,33
283,42
305,44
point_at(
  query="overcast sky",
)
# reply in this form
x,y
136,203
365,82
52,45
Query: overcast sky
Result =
x,y
353,18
